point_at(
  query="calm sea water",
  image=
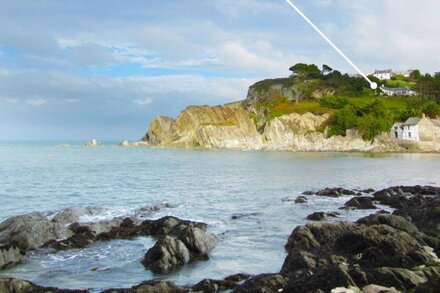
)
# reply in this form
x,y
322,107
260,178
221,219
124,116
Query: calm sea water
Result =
x,y
208,186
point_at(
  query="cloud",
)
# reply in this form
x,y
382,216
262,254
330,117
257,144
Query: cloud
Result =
x,y
403,34
36,102
143,102
10,100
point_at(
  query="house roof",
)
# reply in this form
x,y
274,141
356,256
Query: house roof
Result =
x,y
413,121
396,89
383,71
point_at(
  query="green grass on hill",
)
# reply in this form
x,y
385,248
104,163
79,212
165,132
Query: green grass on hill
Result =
x,y
400,83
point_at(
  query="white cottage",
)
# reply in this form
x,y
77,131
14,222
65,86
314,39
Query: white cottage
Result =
x,y
383,74
418,129
398,91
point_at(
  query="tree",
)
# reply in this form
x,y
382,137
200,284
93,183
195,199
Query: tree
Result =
x,y
305,70
431,109
326,69
415,74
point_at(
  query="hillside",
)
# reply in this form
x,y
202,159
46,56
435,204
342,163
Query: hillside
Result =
x,y
311,110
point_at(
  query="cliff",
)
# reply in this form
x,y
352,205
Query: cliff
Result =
x,y
261,122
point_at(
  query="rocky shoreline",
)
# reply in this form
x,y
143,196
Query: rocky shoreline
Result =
x,y
383,252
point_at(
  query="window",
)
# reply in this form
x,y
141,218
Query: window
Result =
x,y
396,134
409,134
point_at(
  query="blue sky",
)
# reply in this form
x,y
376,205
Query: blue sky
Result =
x,y
74,70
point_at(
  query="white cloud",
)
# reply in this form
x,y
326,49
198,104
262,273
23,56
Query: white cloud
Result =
x,y
143,102
10,100
71,100
35,102
400,33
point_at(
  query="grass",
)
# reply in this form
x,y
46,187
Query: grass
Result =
x,y
282,106
400,83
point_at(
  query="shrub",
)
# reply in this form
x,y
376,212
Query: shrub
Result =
x,y
333,102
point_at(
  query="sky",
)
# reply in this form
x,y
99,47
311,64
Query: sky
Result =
x,y
76,70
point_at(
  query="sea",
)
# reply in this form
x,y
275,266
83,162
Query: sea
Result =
x,y
245,197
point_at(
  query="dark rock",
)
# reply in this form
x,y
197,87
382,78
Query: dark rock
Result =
x,y
319,216
9,285
379,249
11,255
185,242
368,190
243,215
301,199
360,203
331,192
265,283
212,286
155,286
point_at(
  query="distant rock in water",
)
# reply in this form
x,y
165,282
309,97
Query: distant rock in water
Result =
x,y
331,192
360,203
92,143
319,216
125,143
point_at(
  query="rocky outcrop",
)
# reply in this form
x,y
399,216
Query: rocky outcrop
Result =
x,y
267,283
9,285
327,256
206,127
319,216
10,255
331,192
92,143
183,244
360,203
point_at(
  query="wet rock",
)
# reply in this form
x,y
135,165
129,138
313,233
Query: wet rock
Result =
x,y
267,283
398,196
331,192
368,190
360,203
379,249
197,240
11,255
167,254
378,289
9,285
31,231
154,286
188,243
244,215
301,199
319,216
212,286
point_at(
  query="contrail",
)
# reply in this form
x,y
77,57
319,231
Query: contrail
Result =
x,y
373,85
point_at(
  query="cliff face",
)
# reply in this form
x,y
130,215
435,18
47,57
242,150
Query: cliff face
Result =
x,y
229,127
206,127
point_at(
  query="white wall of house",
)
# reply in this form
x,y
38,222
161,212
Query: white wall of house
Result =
x,y
383,76
410,132
396,132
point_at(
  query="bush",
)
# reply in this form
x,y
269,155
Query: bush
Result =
x,y
333,102
431,109
341,121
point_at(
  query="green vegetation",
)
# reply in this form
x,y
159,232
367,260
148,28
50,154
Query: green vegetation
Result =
x,y
349,100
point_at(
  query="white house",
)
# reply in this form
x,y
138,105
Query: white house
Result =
x,y
383,74
418,129
398,91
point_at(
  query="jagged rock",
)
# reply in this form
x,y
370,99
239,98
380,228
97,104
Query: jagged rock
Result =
x,y
167,254
301,199
378,289
331,255
154,286
9,285
190,243
360,203
319,216
31,231
331,192
266,283
197,240
368,190
420,203
213,286
10,255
